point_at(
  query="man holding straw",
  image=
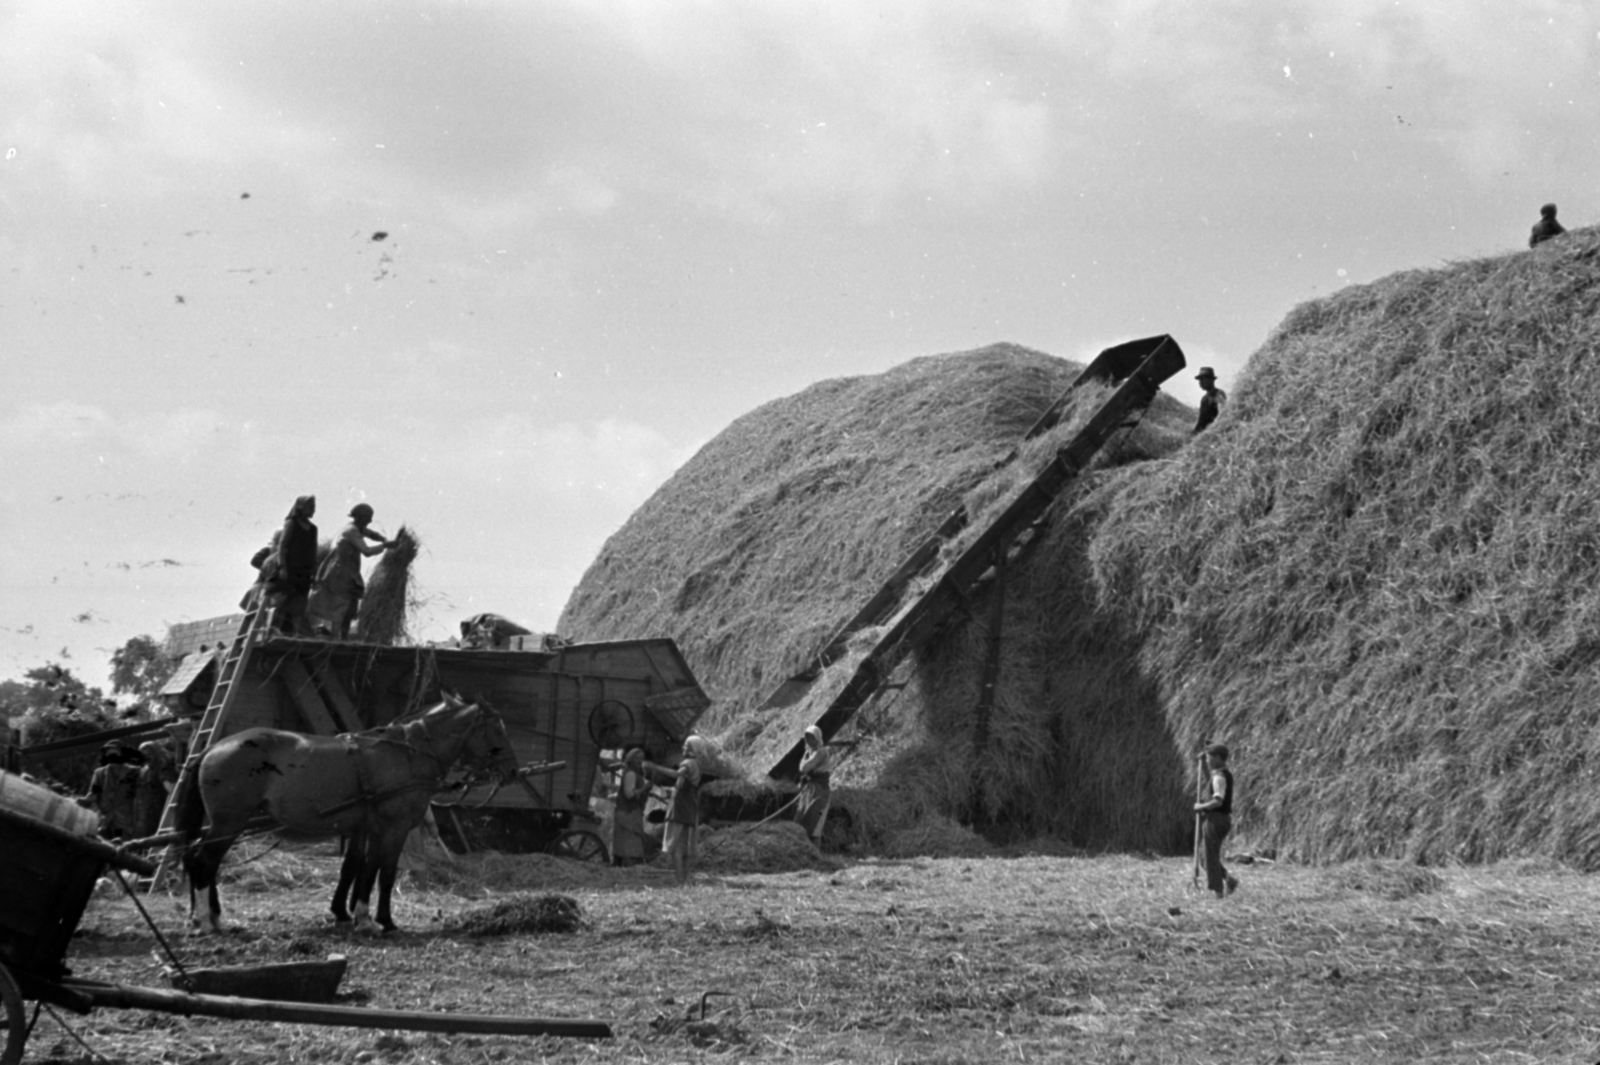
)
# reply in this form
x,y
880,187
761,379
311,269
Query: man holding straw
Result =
x,y
1216,814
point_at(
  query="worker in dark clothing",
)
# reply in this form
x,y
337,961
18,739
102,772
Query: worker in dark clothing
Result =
x,y
1213,399
1546,227
1217,820
114,791
266,563
289,589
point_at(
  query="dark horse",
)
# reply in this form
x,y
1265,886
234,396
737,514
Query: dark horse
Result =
x,y
373,787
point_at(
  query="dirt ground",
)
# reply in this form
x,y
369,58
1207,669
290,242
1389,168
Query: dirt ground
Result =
x,y
1030,958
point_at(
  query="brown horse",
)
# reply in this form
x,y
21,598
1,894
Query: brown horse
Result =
x,y
373,787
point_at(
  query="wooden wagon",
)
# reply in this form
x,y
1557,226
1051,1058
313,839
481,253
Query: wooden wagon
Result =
x,y
54,861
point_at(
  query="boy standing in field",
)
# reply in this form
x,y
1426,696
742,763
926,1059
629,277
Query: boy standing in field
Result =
x,y
1216,815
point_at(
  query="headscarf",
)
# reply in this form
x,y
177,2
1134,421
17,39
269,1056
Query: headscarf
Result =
x,y
814,732
301,504
361,510
696,747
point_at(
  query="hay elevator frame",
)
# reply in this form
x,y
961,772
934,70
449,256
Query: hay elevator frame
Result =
x,y
911,616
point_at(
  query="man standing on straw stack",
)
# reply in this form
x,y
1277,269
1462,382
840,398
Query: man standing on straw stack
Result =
x,y
1217,819
1546,227
339,583
1211,400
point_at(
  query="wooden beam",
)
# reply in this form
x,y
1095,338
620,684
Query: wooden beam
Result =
x,y
304,694
333,690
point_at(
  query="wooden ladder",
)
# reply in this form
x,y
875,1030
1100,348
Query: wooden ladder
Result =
x,y
251,626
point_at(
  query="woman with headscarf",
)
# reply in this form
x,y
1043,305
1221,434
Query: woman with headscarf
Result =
x,y
816,765
289,588
683,813
627,818
339,583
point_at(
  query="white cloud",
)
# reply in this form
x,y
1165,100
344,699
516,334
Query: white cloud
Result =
x,y
41,427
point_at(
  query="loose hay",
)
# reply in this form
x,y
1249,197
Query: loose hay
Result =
x,y
261,863
492,872
521,915
1386,879
381,617
775,847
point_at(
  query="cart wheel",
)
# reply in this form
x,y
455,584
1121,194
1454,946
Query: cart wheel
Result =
x,y
580,845
16,1020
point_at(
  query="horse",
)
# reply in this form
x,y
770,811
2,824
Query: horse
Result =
x,y
373,787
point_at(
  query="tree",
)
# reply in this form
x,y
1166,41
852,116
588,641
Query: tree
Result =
x,y
139,668
50,704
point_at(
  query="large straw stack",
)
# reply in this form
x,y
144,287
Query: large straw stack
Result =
x,y
1377,577
386,606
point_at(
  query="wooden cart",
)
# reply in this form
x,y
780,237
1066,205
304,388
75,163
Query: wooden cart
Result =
x,y
53,862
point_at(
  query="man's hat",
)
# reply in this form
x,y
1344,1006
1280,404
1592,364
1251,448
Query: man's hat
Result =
x,y
1205,372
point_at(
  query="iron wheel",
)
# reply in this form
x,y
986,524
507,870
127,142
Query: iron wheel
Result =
x,y
16,1020
581,845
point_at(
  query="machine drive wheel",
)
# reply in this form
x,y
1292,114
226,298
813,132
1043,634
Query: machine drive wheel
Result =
x,y
16,1020
580,845
610,723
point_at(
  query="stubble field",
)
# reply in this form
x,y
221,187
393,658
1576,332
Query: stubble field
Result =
x,y
1029,958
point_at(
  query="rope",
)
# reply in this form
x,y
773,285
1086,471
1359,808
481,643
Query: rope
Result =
x,y
76,1038
161,939
708,846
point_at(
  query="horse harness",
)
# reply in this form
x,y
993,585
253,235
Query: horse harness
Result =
x,y
368,795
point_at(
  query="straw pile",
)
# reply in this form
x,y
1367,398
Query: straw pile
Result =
x,y
1387,879
520,915
775,847
771,537
1377,577
382,615
473,875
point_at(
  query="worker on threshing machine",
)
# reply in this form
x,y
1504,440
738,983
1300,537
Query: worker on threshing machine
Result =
x,y
266,563
288,591
339,586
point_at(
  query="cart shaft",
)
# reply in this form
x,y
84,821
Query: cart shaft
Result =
x,y
123,996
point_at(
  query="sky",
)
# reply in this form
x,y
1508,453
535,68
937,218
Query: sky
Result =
x,y
499,268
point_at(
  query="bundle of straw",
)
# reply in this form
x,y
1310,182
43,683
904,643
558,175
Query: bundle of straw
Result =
x,y
382,616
